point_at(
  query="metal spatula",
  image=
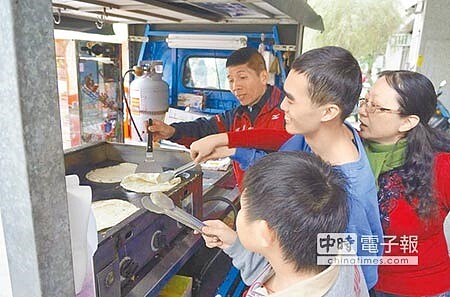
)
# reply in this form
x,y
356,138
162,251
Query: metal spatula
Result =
x,y
169,174
178,215
160,203
149,164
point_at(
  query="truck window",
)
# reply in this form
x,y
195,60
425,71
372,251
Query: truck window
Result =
x,y
205,73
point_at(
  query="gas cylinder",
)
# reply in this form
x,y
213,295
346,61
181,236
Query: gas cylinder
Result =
x,y
149,98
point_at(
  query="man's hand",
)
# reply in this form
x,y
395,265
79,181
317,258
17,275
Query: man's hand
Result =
x,y
218,153
161,130
218,234
211,147
205,146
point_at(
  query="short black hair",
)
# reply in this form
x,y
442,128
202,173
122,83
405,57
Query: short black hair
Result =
x,y
334,76
249,56
299,196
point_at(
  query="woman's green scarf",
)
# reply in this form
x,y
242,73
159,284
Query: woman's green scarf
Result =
x,y
385,157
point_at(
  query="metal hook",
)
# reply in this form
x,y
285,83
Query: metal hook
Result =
x,y
101,19
104,14
99,23
57,20
263,36
261,46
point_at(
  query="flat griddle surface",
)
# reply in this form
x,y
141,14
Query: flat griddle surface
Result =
x,y
103,191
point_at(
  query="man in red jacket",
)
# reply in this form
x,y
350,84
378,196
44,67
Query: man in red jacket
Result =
x,y
260,106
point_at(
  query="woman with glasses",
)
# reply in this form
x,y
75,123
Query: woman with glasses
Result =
x,y
411,164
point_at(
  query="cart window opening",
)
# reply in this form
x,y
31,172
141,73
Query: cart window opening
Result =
x,y
205,73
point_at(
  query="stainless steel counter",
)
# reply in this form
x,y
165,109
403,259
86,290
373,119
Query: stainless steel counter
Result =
x,y
128,243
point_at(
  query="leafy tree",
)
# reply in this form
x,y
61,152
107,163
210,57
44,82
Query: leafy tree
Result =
x,y
361,26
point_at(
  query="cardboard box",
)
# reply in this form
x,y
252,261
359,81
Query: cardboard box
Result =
x,y
191,100
174,115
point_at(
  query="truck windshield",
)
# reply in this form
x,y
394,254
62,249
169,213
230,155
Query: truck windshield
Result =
x,y
205,73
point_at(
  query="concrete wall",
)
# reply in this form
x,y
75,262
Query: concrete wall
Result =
x,y
5,279
434,46
33,200
434,52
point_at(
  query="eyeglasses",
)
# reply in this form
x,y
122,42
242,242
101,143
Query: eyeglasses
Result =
x,y
372,108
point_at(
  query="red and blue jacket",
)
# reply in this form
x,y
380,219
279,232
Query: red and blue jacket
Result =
x,y
265,114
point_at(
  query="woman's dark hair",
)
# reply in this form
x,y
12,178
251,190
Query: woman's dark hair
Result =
x,y
417,96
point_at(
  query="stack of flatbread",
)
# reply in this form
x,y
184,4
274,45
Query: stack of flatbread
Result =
x,y
111,174
147,183
111,212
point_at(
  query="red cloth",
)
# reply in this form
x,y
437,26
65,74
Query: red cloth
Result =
x,y
265,139
270,117
266,115
432,275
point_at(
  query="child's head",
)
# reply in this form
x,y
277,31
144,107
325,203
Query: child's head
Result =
x,y
288,198
324,76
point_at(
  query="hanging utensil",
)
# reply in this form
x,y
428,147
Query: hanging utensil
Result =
x,y
149,165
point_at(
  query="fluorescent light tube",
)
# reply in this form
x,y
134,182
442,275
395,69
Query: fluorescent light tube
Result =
x,y
203,41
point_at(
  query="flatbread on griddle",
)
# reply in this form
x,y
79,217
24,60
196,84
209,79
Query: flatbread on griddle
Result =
x,y
147,183
111,174
111,212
